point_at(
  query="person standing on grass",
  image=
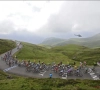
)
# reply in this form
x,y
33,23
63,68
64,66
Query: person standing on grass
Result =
x,y
50,75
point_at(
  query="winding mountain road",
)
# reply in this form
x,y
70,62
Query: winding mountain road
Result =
x,y
45,74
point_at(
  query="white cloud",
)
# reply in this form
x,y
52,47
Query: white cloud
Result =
x,y
74,17
28,14
6,27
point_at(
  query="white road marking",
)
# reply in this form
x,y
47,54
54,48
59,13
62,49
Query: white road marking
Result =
x,y
42,73
92,74
95,76
90,70
64,77
5,70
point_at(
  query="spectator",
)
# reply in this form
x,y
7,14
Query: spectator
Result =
x,y
50,75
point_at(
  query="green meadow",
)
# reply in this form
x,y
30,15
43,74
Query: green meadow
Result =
x,y
67,54
6,45
25,83
38,53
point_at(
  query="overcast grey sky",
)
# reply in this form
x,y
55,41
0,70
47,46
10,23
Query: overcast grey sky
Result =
x,y
33,21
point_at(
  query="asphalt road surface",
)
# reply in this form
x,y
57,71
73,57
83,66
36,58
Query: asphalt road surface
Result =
x,y
45,74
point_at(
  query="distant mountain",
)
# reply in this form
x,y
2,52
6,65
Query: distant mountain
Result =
x,y
52,41
91,42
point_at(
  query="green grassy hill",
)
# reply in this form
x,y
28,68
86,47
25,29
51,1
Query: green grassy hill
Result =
x,y
6,45
67,54
88,55
25,83
33,52
79,53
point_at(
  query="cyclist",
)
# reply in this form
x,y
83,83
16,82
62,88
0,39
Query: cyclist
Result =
x,y
70,70
84,63
86,69
56,68
77,72
94,65
81,65
75,67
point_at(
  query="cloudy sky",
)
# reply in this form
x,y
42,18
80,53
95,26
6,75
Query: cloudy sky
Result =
x,y
33,21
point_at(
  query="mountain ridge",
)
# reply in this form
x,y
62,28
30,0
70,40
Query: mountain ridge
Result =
x,y
91,42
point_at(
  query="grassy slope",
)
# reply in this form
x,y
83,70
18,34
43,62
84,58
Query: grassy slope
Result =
x,y
80,53
66,54
6,45
33,52
21,83
89,55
